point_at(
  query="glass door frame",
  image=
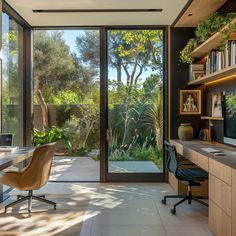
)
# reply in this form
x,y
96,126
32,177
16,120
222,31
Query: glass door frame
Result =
x,y
105,176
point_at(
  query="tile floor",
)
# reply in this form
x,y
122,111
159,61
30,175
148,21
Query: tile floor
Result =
x,y
131,209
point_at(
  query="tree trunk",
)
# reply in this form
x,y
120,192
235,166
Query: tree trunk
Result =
x,y
44,109
118,70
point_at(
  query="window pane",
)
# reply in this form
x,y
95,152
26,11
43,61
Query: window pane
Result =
x,y
12,78
135,101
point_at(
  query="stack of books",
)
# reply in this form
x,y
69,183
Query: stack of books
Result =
x,y
196,71
220,59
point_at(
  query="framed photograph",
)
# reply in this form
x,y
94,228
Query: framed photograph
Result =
x,y
216,104
190,102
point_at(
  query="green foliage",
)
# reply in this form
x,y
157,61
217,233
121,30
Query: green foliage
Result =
x,y
67,97
231,104
120,155
50,135
63,113
139,153
185,53
80,127
205,30
212,25
53,63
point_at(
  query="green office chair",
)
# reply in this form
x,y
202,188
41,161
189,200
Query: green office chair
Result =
x,y
192,175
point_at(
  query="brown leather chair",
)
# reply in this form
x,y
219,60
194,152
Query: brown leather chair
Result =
x,y
32,177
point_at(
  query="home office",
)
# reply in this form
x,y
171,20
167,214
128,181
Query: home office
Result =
x,y
124,117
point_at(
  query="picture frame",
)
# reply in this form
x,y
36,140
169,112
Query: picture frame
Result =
x,y
190,102
216,104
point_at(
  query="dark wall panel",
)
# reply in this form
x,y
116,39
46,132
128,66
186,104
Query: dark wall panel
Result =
x,y
229,6
179,80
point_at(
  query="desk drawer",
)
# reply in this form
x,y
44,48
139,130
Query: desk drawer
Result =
x,y
234,201
220,170
191,155
220,193
219,221
202,162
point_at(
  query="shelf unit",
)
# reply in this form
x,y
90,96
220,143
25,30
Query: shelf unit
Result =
x,y
212,43
228,72
202,50
211,118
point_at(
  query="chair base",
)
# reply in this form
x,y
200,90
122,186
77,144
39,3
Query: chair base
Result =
x,y
29,198
189,197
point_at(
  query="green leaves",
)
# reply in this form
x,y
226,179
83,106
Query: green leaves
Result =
x,y
205,30
50,135
185,53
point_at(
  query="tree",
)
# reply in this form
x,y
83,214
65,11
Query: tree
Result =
x,y
133,50
53,63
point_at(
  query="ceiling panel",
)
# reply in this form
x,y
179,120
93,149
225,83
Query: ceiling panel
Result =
x,y
171,9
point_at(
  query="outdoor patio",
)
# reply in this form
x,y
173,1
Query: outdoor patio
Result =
x,y
66,168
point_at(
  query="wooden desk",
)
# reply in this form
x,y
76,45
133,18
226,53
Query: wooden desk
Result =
x,y
12,158
222,182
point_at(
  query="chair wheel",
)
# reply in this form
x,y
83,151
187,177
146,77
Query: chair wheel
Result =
x,y
173,211
163,201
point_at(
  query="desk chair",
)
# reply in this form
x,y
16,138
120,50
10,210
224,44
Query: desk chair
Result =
x,y
33,177
185,172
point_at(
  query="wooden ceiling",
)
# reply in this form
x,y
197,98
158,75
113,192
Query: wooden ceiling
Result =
x,y
197,11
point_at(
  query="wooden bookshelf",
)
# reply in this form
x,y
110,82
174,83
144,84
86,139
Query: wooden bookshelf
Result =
x,y
211,118
228,72
213,42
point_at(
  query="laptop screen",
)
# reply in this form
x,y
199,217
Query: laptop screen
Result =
x,y
6,140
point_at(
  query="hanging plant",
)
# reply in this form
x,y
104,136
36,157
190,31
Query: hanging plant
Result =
x,y
205,30
185,53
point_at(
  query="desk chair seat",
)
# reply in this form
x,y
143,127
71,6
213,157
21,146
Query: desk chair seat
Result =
x,y
186,172
33,177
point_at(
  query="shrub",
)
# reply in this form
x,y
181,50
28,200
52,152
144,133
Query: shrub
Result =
x,y
50,135
120,155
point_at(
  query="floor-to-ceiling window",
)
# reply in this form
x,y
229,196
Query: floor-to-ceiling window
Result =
x,y
67,98
12,78
135,101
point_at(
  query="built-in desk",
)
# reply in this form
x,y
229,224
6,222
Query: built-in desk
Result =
x,y
12,158
222,182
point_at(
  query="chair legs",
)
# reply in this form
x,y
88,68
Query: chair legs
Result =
x,y
189,197
29,198
45,201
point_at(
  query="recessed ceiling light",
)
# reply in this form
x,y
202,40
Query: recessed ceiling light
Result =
x,y
94,10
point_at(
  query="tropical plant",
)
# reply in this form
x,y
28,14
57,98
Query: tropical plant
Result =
x,y
50,135
154,115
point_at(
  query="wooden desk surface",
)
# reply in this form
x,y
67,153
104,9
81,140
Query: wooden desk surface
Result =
x,y
11,158
228,159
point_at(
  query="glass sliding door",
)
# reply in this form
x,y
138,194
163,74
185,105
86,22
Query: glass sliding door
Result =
x,y
135,102
12,78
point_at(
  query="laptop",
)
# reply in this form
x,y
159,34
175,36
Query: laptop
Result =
x,y
6,143
6,140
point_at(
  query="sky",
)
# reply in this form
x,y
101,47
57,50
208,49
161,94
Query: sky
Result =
x,y
69,36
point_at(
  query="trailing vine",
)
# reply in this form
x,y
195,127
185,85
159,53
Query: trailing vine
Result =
x,y
205,30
